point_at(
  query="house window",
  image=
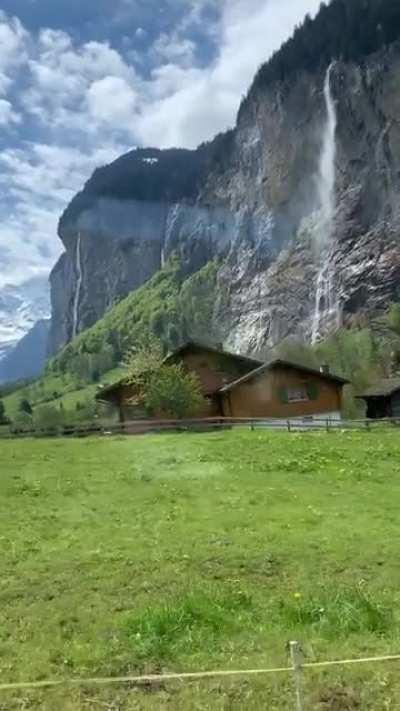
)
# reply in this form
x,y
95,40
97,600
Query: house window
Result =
x,y
297,393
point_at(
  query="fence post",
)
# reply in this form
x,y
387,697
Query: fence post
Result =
x,y
288,426
296,663
327,425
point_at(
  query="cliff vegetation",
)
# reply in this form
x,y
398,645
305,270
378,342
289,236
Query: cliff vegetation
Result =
x,y
342,29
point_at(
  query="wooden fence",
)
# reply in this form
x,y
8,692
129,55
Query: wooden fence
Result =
x,y
136,427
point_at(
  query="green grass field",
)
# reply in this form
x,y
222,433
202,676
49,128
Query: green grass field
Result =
x,y
200,551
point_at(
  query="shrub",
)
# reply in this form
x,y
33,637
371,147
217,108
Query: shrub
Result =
x,y
49,417
3,417
25,406
22,419
174,393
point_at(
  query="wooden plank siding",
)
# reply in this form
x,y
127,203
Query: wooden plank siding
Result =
x,y
394,410
262,396
213,369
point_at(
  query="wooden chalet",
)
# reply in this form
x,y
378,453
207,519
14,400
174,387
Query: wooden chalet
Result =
x,y
383,399
283,389
242,387
213,366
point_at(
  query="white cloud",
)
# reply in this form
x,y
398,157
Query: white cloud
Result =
x,y
92,105
112,100
198,103
13,42
7,115
38,180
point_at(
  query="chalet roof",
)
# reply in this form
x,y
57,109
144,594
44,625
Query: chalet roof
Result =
x,y
382,388
197,345
252,363
285,364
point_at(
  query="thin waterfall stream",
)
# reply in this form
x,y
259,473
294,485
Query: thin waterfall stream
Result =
x,y
77,294
325,300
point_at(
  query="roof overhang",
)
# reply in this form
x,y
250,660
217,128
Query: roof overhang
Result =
x,y
284,364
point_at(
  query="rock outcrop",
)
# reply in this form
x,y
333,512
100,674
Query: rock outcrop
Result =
x,y
256,198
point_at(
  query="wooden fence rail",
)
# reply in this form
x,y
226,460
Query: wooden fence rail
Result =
x,y
136,427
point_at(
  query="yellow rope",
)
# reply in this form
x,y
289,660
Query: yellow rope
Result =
x,y
152,678
365,660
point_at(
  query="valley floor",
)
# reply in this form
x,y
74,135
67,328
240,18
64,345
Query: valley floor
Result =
x,y
200,551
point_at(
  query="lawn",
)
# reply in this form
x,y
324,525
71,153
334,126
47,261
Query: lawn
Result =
x,y
200,551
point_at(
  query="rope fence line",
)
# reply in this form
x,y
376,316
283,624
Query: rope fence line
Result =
x,y
296,667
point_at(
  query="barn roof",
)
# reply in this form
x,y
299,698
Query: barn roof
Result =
x,y
285,364
252,363
197,345
382,388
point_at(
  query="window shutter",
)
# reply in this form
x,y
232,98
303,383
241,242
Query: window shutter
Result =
x,y
312,391
283,396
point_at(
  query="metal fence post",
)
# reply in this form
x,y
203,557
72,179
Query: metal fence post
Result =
x,y
295,656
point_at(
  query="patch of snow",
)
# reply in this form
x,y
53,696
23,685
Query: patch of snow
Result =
x,y
20,308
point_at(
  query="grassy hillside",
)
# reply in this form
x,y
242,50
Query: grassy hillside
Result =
x,y
60,391
187,552
171,306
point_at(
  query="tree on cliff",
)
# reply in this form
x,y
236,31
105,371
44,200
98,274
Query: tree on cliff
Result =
x,y
342,29
161,388
25,406
3,417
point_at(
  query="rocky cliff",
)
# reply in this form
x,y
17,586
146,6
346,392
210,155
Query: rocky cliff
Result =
x,y
301,203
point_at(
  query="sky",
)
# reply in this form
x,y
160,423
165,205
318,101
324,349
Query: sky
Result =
x,y
82,82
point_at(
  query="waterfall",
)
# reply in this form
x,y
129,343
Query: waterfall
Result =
x,y
77,294
327,163
326,304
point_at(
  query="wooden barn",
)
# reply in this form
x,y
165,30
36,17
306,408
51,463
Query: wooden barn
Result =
x,y
282,389
242,387
214,367
383,399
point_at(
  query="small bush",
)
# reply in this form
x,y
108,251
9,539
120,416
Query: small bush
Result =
x,y
49,418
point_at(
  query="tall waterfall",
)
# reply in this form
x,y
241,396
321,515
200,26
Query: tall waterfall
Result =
x,y
77,295
325,302
327,163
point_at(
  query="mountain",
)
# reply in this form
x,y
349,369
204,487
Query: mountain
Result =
x,y
28,357
20,308
298,207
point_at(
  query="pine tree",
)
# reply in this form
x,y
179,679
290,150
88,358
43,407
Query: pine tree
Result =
x,y
3,417
25,406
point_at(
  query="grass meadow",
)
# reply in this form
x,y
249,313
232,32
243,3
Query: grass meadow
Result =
x,y
183,552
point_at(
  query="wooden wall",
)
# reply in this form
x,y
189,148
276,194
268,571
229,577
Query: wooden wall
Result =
x,y
263,395
214,369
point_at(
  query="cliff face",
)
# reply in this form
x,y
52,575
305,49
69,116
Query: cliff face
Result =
x,y
301,203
